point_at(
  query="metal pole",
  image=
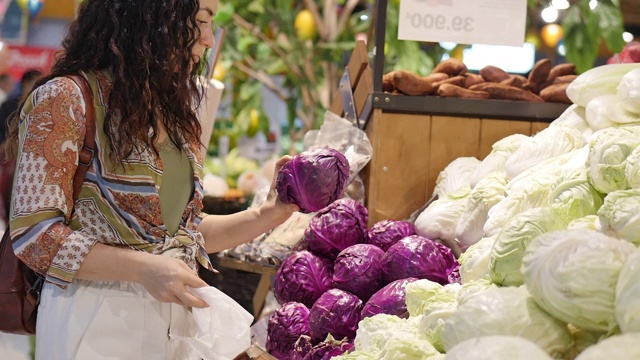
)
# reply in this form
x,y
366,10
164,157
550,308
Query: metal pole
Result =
x,y
378,59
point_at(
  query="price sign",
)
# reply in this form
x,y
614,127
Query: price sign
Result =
x,y
491,22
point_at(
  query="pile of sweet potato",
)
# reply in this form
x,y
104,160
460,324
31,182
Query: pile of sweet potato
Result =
x,y
450,78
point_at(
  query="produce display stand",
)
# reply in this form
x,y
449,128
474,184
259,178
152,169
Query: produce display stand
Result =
x,y
265,271
415,137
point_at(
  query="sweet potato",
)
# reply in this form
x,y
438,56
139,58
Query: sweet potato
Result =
x,y
561,70
455,80
564,79
411,83
555,80
387,82
451,66
508,82
500,91
519,80
515,80
539,74
436,76
434,79
450,90
480,86
556,93
494,74
472,79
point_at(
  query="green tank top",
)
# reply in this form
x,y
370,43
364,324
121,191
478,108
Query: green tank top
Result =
x,y
177,185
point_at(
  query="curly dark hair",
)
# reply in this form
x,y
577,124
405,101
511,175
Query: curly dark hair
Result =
x,y
146,45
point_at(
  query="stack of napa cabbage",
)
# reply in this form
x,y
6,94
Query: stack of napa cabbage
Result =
x,y
549,227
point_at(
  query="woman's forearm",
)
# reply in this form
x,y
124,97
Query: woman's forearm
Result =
x,y
226,231
111,263
164,277
222,232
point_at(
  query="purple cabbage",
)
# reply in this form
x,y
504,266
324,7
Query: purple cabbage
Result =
x,y
336,227
418,257
357,270
336,312
454,276
302,278
313,179
304,349
285,326
301,348
328,349
386,233
390,300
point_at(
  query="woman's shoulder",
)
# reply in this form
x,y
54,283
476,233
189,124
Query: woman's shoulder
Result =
x,y
62,87
59,98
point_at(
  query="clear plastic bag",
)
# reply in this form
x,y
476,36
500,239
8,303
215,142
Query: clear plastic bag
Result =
x,y
340,134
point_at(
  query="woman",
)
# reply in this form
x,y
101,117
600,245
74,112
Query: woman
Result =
x,y
119,259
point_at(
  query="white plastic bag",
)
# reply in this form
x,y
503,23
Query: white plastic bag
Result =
x,y
224,328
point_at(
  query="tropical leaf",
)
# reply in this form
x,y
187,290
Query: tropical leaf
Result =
x,y
584,28
611,24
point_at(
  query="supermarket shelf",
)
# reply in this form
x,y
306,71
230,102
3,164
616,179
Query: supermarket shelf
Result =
x,y
474,108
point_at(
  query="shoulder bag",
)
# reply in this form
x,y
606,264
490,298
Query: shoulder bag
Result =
x,y
20,286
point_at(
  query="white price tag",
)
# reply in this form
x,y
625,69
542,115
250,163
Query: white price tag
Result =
x,y
491,22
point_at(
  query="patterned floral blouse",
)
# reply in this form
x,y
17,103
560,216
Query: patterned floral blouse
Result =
x,y
118,205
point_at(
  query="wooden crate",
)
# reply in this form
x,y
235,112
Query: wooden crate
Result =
x,y
410,150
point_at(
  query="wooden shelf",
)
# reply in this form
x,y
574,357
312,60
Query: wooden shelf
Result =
x,y
473,108
248,266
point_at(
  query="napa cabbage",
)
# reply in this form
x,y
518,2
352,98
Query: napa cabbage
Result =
x,y
572,274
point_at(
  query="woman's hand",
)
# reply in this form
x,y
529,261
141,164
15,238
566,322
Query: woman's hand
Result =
x,y
226,231
166,279
273,207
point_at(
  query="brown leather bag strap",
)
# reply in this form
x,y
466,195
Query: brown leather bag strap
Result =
x,y
87,153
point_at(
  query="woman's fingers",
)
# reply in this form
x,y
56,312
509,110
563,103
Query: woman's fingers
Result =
x,y
283,160
189,299
168,281
175,299
192,280
195,282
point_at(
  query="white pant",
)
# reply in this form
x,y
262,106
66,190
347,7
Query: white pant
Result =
x,y
109,320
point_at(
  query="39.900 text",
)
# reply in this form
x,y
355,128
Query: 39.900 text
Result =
x,y
440,22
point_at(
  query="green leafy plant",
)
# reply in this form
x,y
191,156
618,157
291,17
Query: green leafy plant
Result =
x,y
419,57
263,48
585,28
